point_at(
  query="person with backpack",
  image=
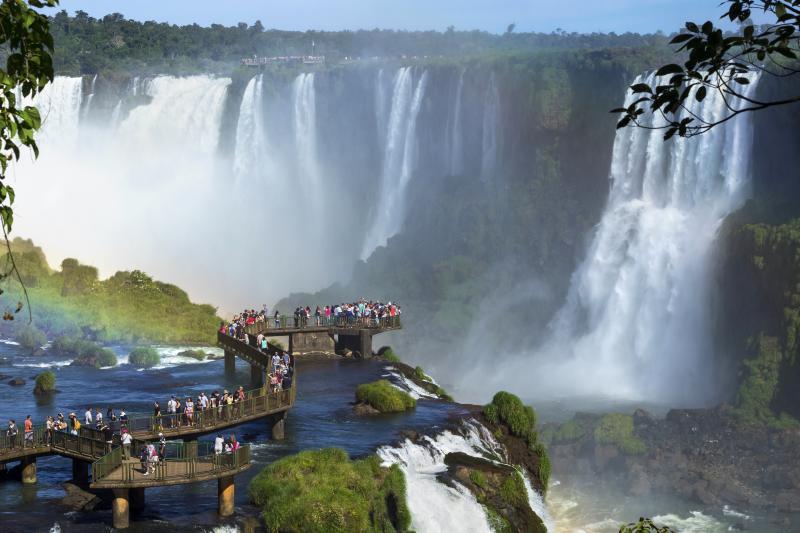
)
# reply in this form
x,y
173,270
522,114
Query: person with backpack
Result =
x,y
162,447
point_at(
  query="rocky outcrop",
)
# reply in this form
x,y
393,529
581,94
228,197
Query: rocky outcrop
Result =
x,y
78,499
700,454
16,382
499,488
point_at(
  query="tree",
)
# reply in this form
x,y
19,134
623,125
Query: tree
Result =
x,y
511,27
721,62
25,35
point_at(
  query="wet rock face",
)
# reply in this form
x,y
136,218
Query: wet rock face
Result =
x,y
701,454
16,382
80,500
365,409
499,488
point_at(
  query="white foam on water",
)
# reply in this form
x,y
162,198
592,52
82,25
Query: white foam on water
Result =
x,y
727,511
9,342
406,385
696,522
49,364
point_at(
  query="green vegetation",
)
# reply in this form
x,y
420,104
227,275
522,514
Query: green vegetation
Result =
x,y
420,374
384,397
45,383
713,63
27,46
128,307
569,431
544,464
30,337
387,353
497,522
144,357
520,419
199,355
759,387
324,491
86,352
512,490
509,409
477,477
115,46
644,525
617,429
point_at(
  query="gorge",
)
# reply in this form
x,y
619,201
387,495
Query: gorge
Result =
x,y
476,192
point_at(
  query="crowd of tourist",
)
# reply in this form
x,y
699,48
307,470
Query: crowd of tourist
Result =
x,y
363,312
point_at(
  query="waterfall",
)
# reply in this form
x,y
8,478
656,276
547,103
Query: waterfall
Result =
x,y
305,131
90,96
399,159
636,319
436,506
456,140
251,138
491,115
382,103
59,105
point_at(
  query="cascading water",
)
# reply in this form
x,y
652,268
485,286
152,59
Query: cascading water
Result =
x,y
59,105
636,320
305,132
251,139
163,144
436,506
456,135
398,161
491,115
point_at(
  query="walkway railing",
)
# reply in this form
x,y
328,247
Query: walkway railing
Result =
x,y
256,402
341,322
88,443
195,460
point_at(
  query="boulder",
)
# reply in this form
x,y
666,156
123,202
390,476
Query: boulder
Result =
x,y
16,382
78,499
364,409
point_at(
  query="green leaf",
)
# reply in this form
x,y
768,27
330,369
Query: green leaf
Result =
x,y
681,38
641,88
692,27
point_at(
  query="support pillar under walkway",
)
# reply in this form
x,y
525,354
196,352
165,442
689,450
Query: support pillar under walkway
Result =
x,y
277,422
256,376
137,499
28,465
225,495
80,472
120,509
230,364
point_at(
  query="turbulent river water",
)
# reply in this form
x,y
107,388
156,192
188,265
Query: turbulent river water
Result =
x,y
322,417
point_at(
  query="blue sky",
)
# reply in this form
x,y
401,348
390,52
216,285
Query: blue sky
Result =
x,y
490,15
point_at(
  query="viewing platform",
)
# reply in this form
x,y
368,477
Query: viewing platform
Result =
x,y
189,461
308,336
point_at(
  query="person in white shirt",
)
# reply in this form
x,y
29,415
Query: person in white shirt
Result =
x,y
88,416
126,439
171,408
218,442
98,418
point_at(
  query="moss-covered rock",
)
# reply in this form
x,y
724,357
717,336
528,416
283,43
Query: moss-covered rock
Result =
x,y
569,431
324,491
144,357
387,353
86,353
617,429
422,380
30,337
499,488
45,383
514,425
199,355
384,397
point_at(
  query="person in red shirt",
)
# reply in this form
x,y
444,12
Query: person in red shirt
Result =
x,y
28,431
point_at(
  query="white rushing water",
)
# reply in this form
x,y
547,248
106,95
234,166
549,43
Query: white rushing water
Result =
x,y
491,125
456,133
436,507
251,136
156,174
399,159
636,320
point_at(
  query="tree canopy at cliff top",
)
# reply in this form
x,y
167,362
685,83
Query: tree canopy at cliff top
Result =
x,y
127,307
85,45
